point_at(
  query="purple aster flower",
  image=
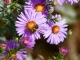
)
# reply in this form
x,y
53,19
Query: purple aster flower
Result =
x,y
38,5
21,54
31,24
63,50
12,45
72,1
27,42
56,32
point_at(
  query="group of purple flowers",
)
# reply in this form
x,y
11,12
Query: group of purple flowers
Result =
x,y
32,23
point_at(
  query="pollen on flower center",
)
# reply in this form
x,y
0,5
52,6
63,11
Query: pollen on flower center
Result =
x,y
39,7
32,26
12,59
55,29
14,55
5,58
25,41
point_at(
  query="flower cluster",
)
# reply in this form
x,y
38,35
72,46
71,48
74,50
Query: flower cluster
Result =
x,y
10,51
36,20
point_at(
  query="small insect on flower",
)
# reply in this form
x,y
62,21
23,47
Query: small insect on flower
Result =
x,y
32,26
31,23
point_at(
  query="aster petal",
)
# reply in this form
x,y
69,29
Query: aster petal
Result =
x,y
37,1
28,7
33,15
20,32
49,39
19,57
43,28
18,22
62,34
57,40
29,2
37,35
21,54
64,30
27,13
32,36
40,20
23,17
60,37
52,39
20,25
24,56
72,1
47,33
61,23
64,26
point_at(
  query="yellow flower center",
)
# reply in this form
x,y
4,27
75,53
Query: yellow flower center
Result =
x,y
14,55
32,26
39,7
12,59
5,58
55,29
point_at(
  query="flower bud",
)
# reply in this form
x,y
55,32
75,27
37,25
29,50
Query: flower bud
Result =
x,y
63,50
3,45
7,1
